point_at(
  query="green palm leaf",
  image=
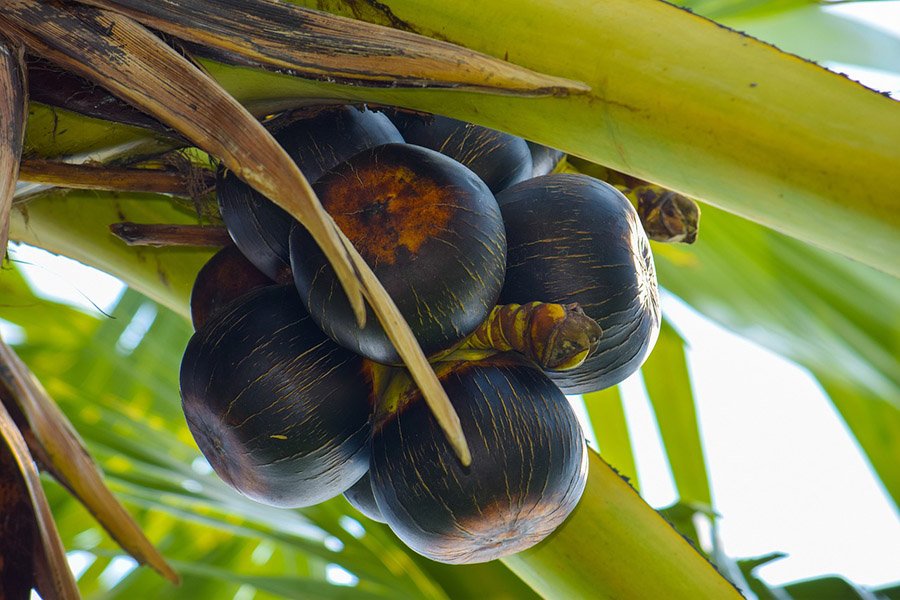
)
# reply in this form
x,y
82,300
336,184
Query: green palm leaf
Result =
x,y
813,307
801,150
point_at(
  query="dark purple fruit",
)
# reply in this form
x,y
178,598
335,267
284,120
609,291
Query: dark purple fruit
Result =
x,y
362,498
317,143
498,158
573,238
432,233
544,159
227,276
280,412
529,465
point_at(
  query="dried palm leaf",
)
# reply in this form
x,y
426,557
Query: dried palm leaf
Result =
x,y
136,65
317,45
13,110
55,443
52,576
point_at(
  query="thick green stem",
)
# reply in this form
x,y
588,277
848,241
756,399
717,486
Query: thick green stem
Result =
x,y
615,546
676,100
75,223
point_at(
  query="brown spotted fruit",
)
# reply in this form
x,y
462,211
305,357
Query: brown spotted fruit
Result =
x,y
282,413
432,233
528,470
317,140
573,238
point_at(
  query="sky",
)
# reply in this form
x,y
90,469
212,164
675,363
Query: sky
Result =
x,y
786,474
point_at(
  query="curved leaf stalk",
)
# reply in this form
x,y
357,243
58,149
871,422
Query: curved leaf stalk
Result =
x,y
676,100
13,105
75,223
634,552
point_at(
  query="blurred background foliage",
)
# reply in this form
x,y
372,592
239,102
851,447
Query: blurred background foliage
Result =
x,y
116,377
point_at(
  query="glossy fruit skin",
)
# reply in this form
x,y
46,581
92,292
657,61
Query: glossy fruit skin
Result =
x,y
362,498
432,233
573,238
328,136
225,277
528,471
280,412
498,158
544,159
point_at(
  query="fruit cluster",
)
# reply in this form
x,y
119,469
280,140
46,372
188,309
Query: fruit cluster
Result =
x,y
292,403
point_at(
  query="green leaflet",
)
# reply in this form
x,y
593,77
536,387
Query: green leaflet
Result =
x,y
611,430
76,223
668,385
815,33
820,310
875,423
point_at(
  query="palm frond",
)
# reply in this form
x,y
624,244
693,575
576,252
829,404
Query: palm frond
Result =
x,y
13,105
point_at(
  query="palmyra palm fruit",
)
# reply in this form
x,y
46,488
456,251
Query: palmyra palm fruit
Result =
x,y
280,412
544,159
317,141
362,498
528,471
225,277
573,238
498,158
432,233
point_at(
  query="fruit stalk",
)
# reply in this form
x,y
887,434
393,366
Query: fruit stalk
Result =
x,y
557,337
13,114
91,177
160,235
666,215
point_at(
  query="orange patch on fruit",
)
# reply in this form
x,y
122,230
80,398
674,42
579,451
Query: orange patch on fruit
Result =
x,y
384,208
